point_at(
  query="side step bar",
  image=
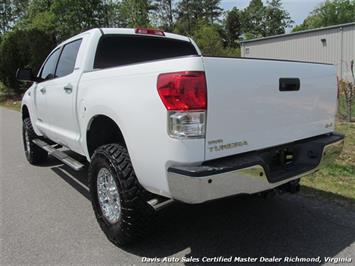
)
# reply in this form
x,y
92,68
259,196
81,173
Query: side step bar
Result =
x,y
160,203
61,156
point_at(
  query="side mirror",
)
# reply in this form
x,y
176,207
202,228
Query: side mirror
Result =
x,y
25,74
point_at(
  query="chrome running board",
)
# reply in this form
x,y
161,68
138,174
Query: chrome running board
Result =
x,y
60,155
160,203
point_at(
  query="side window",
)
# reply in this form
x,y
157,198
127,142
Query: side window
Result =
x,y
67,58
49,67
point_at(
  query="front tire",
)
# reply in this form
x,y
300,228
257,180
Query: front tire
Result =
x,y
34,154
117,198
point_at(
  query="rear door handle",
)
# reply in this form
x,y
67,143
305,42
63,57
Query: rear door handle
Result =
x,y
43,90
68,88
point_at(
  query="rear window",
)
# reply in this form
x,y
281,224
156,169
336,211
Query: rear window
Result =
x,y
119,50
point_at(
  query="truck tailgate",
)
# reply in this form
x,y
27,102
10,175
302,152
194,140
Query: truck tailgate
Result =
x,y
254,104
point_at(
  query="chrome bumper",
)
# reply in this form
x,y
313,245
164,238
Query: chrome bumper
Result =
x,y
211,180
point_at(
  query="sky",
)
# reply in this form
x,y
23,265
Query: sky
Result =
x,y
298,9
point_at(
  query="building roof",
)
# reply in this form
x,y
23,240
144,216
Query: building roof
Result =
x,y
299,32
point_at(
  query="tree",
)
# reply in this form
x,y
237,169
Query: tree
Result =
x,y
258,20
22,48
277,19
331,12
233,26
74,16
208,40
63,18
211,10
135,13
10,12
113,15
253,19
164,11
189,12
6,17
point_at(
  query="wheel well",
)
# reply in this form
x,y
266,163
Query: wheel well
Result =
x,y
103,130
25,112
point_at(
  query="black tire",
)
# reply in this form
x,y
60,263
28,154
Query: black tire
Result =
x,y
34,154
136,214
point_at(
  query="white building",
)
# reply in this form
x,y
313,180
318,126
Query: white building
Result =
x,y
334,45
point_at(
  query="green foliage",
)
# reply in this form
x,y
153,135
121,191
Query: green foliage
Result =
x,y
233,52
164,14
253,18
211,10
233,26
10,12
208,40
191,13
74,16
260,21
29,28
65,18
44,21
22,48
135,13
342,108
3,92
6,16
276,18
113,16
331,12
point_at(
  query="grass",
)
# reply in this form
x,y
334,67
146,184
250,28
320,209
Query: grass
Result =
x,y
342,108
338,178
6,101
10,104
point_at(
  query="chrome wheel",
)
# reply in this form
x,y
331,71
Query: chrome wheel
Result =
x,y
108,196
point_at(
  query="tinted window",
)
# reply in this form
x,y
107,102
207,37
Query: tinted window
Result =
x,y
67,58
49,67
118,50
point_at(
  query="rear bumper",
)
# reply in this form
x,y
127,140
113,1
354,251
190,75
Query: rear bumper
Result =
x,y
254,171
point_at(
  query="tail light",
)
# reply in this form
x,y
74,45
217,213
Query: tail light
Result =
x,y
184,95
183,91
150,32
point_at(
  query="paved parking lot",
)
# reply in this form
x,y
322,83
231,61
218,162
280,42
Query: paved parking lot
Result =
x,y
46,218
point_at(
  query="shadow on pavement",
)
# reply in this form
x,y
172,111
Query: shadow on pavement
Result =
x,y
78,180
245,226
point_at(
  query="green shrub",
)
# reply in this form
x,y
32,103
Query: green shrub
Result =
x,y
233,52
22,48
208,40
3,92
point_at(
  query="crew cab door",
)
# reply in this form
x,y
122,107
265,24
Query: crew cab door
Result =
x,y
46,75
61,98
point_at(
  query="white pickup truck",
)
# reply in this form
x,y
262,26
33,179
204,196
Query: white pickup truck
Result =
x,y
157,122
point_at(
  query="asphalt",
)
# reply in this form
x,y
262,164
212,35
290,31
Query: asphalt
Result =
x,y
46,218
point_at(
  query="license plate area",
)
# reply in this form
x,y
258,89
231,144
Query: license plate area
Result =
x,y
284,157
291,159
